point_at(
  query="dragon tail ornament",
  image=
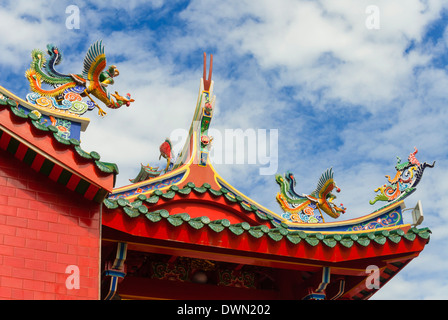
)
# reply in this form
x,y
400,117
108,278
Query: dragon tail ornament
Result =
x,y
408,175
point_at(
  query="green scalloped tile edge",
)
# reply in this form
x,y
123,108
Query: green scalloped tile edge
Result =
x,y
153,199
143,209
239,228
380,240
110,204
230,198
258,231
198,223
246,207
132,212
82,153
178,219
185,190
295,236
314,238
19,113
157,215
278,233
169,194
158,193
95,155
364,239
200,189
410,236
219,225
39,126
190,185
103,167
263,216
7,102
142,197
61,140
214,192
423,233
173,190
330,240
123,202
113,166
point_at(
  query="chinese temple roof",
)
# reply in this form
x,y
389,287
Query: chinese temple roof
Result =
x,y
190,209
142,206
192,174
187,209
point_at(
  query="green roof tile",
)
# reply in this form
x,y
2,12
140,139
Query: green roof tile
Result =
x,y
365,238
198,223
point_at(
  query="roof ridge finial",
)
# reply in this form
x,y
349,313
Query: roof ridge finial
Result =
x,y
207,81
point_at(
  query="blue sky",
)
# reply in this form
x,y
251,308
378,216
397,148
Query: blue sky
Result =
x,y
340,95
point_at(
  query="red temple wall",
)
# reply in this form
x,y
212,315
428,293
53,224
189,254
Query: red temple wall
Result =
x,y
45,228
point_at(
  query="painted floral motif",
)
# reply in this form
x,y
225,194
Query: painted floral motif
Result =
x,y
309,214
63,128
390,219
72,96
72,102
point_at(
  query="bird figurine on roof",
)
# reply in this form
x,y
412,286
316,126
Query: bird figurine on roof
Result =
x,y
301,206
166,152
93,81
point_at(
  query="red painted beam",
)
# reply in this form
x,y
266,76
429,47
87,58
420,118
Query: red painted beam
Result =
x,y
205,238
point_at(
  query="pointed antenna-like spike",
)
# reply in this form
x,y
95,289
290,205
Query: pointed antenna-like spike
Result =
x,y
205,67
207,81
210,69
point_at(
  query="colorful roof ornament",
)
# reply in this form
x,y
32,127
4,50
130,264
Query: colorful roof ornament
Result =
x,y
166,152
67,91
407,177
308,208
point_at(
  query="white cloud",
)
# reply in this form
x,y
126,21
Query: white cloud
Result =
x,y
25,25
322,46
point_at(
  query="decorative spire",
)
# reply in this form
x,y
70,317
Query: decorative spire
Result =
x,y
207,81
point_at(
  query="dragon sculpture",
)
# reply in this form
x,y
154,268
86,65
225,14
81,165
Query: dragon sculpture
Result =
x,y
66,91
407,176
302,208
